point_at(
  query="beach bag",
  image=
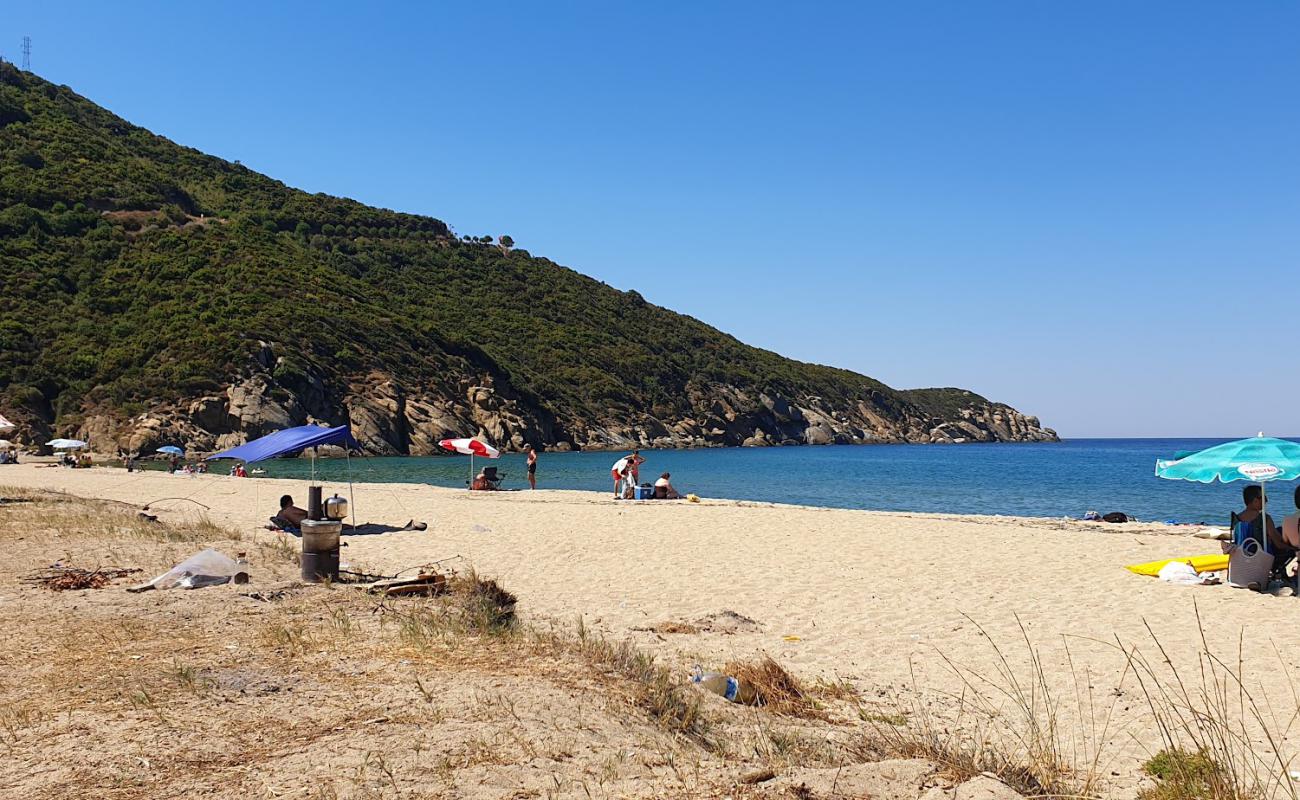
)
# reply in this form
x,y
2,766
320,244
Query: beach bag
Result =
x,y
1116,516
1249,562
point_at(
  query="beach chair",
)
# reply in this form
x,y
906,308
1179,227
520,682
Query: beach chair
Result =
x,y
493,477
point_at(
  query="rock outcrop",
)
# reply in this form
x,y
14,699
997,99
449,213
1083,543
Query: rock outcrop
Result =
x,y
389,417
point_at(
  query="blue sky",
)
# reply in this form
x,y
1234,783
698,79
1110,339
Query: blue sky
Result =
x,y
1088,210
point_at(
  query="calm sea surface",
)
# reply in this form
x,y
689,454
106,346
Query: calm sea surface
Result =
x,y
1047,480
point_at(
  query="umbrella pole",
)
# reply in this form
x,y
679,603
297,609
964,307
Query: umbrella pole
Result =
x,y
471,471
352,498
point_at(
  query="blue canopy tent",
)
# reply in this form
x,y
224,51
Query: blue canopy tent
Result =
x,y
289,440
295,440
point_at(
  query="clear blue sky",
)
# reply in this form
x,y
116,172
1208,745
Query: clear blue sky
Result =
x,y
1088,210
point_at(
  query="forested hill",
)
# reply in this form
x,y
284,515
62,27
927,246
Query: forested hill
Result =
x,y
155,294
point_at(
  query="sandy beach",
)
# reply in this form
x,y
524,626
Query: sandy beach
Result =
x,y
890,602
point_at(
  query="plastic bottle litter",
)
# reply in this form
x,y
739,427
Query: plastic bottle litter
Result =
x,y
719,684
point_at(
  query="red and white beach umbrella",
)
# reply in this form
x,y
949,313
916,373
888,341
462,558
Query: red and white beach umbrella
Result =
x,y
471,448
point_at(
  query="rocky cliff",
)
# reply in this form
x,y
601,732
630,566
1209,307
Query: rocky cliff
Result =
x,y
389,417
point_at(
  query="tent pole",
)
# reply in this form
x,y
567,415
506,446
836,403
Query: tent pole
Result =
x,y
347,457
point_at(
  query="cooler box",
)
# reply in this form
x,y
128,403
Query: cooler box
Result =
x,y
643,492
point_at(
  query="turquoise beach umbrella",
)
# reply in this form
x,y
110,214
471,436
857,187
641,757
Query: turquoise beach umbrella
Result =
x,y
1260,459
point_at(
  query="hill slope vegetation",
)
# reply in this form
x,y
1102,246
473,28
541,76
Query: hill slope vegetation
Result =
x,y
152,292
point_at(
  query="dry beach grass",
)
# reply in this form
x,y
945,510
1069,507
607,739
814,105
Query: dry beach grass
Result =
x,y
326,692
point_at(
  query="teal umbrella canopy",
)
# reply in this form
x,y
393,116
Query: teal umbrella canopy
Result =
x,y
1259,459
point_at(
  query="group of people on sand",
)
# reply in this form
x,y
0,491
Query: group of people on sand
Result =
x,y
75,460
626,473
1253,525
175,466
9,456
487,481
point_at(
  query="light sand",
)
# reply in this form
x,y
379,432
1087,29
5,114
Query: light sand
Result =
x,y
881,599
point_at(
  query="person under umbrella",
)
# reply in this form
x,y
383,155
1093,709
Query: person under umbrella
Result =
x,y
1260,459
471,448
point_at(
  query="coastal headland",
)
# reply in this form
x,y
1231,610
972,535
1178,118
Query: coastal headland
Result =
x,y
204,303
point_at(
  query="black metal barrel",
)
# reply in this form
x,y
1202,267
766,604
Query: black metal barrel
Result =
x,y
320,549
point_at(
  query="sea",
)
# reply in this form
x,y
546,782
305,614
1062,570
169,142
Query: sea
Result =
x,y
1062,479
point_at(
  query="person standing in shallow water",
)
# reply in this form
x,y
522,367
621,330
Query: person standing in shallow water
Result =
x,y
532,467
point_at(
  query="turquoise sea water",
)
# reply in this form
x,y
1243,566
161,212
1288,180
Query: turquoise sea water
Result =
x,y
1051,480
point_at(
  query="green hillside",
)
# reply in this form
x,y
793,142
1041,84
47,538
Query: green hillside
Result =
x,y
138,273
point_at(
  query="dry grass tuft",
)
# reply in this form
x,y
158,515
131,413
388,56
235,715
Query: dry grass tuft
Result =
x,y
471,606
1006,725
1219,742
773,687
483,605
672,704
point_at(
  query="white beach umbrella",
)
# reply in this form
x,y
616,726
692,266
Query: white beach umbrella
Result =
x,y
65,444
5,444
6,425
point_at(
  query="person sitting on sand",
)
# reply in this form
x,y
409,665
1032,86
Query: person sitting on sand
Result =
x,y
1254,524
290,517
664,488
481,483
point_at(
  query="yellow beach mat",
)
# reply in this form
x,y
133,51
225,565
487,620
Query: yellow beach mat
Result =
x,y
1213,563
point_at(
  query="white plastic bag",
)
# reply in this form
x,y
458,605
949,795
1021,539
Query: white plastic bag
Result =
x,y
205,568
1179,572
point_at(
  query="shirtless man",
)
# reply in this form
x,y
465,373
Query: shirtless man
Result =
x,y
532,467
290,516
